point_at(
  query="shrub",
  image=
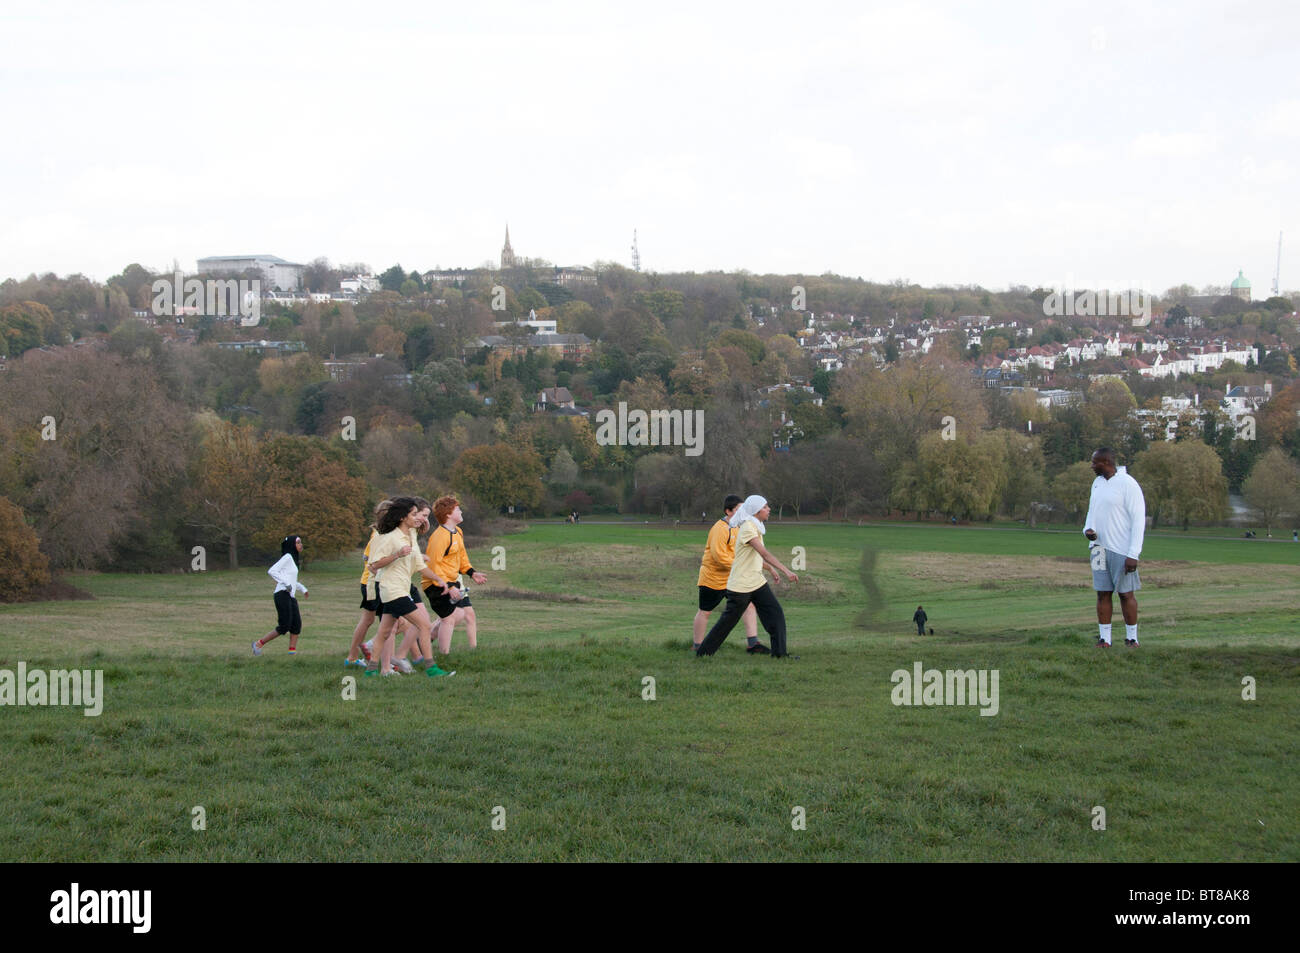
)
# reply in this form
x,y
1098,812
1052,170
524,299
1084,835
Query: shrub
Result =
x,y
23,567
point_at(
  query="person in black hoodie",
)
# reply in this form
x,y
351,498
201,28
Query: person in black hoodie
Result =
x,y
919,618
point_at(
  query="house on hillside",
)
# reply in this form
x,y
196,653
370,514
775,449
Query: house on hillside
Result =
x,y
1246,398
553,398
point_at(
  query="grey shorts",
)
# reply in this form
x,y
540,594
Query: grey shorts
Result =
x,y
1108,573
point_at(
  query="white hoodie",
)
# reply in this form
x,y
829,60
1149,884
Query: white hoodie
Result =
x,y
1117,512
285,574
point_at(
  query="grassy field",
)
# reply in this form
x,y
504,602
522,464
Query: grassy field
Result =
x,y
546,729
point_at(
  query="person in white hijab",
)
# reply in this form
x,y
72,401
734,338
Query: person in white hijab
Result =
x,y
747,585
746,511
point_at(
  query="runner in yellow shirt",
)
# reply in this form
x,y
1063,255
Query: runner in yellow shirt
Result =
x,y
746,583
447,559
359,651
719,552
393,554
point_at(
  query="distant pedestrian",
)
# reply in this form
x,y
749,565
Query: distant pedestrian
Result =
x,y
287,587
919,618
1114,525
1295,535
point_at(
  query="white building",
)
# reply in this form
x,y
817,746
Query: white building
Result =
x,y
278,274
359,283
539,325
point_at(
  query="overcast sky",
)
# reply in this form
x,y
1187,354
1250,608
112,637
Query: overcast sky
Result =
x,y
962,143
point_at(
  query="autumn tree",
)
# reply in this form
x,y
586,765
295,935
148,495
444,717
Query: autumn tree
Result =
x,y
959,477
843,473
317,492
1072,488
729,452
1023,478
95,442
1272,490
23,567
563,472
1182,481
893,409
285,376
500,475
229,484
1279,420
386,341
396,455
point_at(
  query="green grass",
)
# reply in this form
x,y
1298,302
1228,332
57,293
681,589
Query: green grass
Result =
x,y
546,719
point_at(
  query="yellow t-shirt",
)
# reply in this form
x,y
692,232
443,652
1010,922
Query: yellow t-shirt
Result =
x,y
446,555
719,551
747,568
395,578
365,558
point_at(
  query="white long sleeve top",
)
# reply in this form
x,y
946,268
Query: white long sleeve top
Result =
x,y
1117,511
285,574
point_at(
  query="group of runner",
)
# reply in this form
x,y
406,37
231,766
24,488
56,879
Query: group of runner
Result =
x,y
732,568
391,558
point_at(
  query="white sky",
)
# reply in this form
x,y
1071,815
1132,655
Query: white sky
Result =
x,y
985,143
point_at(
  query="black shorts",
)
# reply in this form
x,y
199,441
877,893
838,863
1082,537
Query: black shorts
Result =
x,y
399,607
367,603
288,618
442,604
709,598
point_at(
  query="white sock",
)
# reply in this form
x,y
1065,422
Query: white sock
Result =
x,y
1131,631
1104,628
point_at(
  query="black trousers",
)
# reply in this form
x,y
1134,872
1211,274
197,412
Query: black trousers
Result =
x,y
286,609
769,613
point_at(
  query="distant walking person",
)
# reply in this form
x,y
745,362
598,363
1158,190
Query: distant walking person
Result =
x,y
715,567
919,617
746,583
287,587
1114,526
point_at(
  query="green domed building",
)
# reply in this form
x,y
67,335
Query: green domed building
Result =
x,y
1240,287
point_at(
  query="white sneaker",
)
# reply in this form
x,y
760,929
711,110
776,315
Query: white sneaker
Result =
x,y
257,649
403,666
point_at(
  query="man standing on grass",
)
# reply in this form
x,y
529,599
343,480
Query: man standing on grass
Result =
x,y
1116,520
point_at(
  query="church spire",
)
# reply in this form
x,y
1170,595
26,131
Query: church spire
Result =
x,y
507,253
